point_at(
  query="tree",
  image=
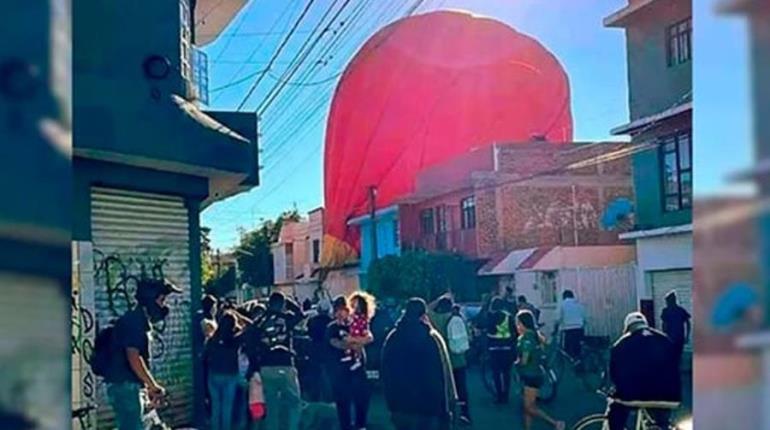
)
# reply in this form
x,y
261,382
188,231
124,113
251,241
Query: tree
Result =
x,y
208,272
422,274
255,262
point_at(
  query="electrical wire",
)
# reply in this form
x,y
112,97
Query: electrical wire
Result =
x,y
257,48
277,53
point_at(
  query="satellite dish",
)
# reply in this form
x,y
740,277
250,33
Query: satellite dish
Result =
x,y
732,305
617,214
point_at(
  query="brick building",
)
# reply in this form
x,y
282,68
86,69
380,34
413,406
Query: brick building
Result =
x,y
519,195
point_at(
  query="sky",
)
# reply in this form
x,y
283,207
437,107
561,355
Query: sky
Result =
x,y
292,129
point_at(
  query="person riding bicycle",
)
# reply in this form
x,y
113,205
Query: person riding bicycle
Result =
x,y
571,320
501,346
643,367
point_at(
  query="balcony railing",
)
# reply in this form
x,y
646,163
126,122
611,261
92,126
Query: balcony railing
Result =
x,y
462,241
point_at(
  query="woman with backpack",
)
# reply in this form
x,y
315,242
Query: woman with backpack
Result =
x,y
530,356
223,370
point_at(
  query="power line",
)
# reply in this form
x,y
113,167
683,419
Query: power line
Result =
x,y
257,48
307,84
322,62
277,53
301,56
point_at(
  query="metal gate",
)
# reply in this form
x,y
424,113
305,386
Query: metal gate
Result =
x,y
666,281
140,234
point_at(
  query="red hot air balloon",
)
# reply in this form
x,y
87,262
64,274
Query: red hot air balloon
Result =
x,y
425,89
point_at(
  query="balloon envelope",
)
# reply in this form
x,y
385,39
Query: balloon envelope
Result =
x,y
425,89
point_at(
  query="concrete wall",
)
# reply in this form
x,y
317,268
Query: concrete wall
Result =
x,y
653,85
648,177
661,253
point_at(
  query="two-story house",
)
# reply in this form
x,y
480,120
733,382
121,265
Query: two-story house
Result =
x,y
147,159
659,55
297,257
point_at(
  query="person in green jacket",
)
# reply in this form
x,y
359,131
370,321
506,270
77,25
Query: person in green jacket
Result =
x,y
446,319
530,352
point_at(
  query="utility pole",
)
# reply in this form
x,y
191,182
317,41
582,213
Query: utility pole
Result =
x,y
373,218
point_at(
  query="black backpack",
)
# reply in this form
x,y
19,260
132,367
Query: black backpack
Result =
x,y
102,355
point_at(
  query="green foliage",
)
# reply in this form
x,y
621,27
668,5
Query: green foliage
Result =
x,y
255,262
208,272
421,274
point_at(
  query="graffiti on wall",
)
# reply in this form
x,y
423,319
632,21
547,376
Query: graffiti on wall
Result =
x,y
121,275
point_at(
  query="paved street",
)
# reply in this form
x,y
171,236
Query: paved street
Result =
x,y
572,403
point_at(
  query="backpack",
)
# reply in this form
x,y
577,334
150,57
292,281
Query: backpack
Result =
x,y
102,355
457,333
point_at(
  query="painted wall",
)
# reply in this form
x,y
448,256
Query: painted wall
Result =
x,y
387,235
132,114
661,253
648,179
653,85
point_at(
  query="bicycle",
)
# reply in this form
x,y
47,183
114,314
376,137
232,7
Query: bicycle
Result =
x,y
643,420
590,367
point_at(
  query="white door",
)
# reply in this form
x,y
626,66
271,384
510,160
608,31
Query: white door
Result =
x,y
672,280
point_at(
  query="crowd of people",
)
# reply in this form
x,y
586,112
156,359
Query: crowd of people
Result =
x,y
253,368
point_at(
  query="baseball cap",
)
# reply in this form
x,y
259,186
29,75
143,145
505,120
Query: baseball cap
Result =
x,y
634,321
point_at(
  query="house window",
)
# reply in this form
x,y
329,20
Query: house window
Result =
x,y
316,250
546,282
185,39
679,38
441,216
677,171
427,225
468,207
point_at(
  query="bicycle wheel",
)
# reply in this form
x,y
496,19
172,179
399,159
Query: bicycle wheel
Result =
x,y
593,370
592,422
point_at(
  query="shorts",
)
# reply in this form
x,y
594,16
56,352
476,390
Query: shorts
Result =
x,y
532,381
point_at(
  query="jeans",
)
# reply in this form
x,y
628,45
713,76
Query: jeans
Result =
x,y
352,392
222,390
127,405
282,398
617,416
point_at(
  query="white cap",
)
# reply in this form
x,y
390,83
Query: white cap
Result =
x,y
635,320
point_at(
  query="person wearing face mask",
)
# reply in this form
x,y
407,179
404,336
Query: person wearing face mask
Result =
x,y
129,372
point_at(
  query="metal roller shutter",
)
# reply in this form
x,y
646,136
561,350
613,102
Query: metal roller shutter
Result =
x,y
665,281
135,233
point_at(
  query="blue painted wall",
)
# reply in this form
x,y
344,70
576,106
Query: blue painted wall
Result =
x,y
387,241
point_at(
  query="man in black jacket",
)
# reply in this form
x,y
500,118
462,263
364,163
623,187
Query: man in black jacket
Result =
x,y
416,374
643,367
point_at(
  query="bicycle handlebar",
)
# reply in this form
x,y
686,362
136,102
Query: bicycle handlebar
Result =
x,y
641,404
